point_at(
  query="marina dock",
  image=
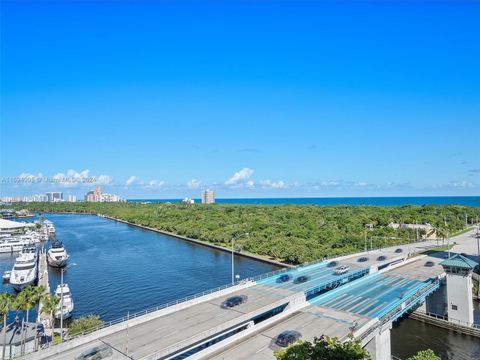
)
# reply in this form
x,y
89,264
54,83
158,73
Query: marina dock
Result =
x,y
43,280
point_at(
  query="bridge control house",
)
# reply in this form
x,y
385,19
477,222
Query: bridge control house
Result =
x,y
458,271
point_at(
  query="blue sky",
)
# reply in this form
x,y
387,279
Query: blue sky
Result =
x,y
162,99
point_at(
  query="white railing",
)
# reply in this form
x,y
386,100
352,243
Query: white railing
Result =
x,y
450,320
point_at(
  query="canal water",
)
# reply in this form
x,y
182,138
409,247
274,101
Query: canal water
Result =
x,y
121,268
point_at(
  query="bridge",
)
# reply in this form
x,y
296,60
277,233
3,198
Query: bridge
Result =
x,y
380,287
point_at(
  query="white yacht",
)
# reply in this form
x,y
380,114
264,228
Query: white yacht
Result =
x,y
13,244
57,255
50,227
24,272
67,302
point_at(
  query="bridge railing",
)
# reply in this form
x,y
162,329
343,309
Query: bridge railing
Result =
x,y
393,314
453,321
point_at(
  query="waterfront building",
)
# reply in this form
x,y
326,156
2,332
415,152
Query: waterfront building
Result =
x,y
98,196
208,196
72,198
54,196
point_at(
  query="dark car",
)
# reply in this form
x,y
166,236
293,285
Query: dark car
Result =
x,y
332,264
287,338
398,250
363,259
233,301
96,353
381,258
429,263
283,278
301,279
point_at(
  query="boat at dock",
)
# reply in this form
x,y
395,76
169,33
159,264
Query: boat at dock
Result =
x,y
66,305
24,271
14,244
6,276
57,255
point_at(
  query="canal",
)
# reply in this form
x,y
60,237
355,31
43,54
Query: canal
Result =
x,y
121,268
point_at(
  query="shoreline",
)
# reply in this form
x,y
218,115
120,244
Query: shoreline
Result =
x,y
184,238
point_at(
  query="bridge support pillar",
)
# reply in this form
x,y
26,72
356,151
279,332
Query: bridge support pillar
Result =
x,y
379,347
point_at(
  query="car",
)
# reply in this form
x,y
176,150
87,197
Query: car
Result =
x,y
381,258
398,251
363,259
96,353
332,264
233,301
301,279
283,278
429,263
287,338
341,270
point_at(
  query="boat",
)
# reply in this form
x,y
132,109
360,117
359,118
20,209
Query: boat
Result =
x,y
24,271
13,244
57,255
6,276
65,306
50,228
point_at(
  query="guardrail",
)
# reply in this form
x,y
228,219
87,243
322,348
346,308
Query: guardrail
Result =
x,y
451,321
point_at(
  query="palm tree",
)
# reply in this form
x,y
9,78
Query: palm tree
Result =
x,y
26,302
6,301
49,305
37,294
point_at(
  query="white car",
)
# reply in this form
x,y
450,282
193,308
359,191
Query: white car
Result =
x,y
341,270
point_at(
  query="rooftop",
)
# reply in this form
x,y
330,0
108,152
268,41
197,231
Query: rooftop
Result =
x,y
459,261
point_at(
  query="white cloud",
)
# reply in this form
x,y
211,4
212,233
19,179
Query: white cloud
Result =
x,y
131,180
273,184
155,184
194,184
104,180
240,177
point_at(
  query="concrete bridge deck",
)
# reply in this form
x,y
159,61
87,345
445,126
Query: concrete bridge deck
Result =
x,y
169,331
174,330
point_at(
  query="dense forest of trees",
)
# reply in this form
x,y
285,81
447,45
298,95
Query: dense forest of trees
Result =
x,y
292,233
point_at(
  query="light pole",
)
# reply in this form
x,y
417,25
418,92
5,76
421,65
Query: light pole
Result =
x,y
233,255
61,299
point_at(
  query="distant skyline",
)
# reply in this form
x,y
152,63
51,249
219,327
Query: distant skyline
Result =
x,y
251,99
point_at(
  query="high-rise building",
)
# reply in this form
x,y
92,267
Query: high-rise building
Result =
x,y
72,198
54,196
98,196
208,196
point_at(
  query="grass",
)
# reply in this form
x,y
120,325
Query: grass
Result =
x,y
436,250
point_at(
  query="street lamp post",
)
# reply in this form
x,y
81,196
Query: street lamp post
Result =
x,y
233,255
61,300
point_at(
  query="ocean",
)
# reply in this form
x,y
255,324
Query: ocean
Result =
x,y
473,201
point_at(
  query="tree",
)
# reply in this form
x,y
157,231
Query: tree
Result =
x,y
425,355
49,305
85,324
6,301
25,301
325,348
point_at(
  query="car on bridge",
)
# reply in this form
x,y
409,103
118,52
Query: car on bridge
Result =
x,y
341,270
381,258
96,353
233,301
332,264
283,278
399,250
301,279
287,338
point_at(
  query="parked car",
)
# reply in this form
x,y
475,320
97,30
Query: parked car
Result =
x,y
234,301
341,270
287,338
301,279
283,278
